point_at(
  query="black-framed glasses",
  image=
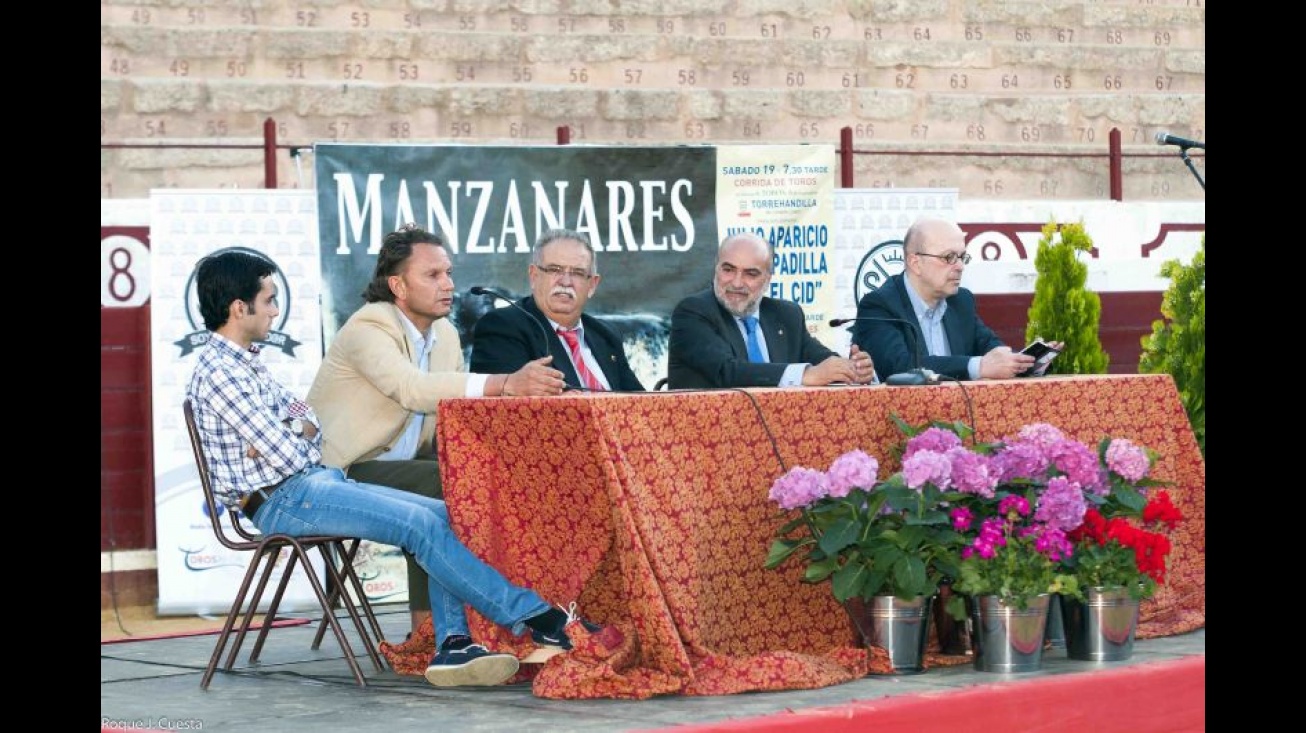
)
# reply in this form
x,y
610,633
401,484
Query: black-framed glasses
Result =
x,y
556,271
949,259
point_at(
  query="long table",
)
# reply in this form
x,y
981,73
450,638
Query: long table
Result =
x,y
650,511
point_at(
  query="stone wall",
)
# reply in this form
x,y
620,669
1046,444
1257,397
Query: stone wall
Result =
x,y
1001,99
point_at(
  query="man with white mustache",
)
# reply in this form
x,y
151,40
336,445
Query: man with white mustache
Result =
x,y
710,332
552,321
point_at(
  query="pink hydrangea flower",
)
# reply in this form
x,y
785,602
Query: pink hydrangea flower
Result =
x,y
1040,435
1127,460
1079,463
852,470
1019,460
935,440
927,467
971,472
799,488
1061,505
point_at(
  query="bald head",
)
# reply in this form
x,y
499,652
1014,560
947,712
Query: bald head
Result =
x,y
745,245
937,232
928,246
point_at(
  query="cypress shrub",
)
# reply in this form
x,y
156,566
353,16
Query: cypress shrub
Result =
x,y
1177,345
1063,309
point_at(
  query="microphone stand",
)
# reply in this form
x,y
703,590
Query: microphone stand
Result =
x,y
914,376
483,291
1183,153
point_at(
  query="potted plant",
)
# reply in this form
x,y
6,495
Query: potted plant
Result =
x,y
1119,555
1014,502
884,546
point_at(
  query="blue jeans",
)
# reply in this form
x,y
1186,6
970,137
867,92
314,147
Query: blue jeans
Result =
x,y
321,501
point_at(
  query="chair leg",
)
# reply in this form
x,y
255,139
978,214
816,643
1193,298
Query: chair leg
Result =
x,y
225,634
252,600
333,595
331,617
347,566
275,605
358,589
337,582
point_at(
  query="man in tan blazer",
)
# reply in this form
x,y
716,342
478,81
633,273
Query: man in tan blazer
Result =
x,y
389,366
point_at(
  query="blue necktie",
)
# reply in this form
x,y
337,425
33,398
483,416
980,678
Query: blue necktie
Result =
x,y
754,348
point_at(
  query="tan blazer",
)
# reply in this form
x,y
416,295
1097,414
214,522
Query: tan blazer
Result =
x,y
368,384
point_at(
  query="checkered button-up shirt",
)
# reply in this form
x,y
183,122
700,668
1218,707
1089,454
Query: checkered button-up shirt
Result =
x,y
238,405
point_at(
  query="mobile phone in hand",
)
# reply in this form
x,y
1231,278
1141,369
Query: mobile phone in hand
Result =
x,y
1043,355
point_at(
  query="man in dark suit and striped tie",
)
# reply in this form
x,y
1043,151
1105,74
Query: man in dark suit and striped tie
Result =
x,y
734,336
563,275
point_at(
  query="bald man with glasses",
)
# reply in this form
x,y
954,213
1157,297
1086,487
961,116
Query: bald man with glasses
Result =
x,y
928,292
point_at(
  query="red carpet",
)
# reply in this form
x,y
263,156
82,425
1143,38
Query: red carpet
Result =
x,y
279,623
1141,698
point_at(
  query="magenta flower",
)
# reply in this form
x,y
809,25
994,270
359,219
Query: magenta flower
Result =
x,y
961,518
935,440
1061,505
1014,503
799,488
971,472
1050,541
1127,460
852,470
927,467
990,538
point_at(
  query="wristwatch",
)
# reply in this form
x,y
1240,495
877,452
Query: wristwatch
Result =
x,y
297,426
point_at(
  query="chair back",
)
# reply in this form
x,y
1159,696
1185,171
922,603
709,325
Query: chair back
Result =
x,y
247,540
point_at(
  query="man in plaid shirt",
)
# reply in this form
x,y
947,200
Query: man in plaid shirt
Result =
x,y
264,451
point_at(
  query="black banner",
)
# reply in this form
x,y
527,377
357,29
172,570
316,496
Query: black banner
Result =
x,y
649,212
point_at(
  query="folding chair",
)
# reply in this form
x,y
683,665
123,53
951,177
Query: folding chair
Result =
x,y
266,549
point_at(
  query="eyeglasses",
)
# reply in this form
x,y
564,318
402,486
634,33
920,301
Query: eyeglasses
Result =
x,y
949,259
556,272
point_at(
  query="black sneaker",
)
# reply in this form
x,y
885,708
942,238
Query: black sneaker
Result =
x,y
552,642
469,664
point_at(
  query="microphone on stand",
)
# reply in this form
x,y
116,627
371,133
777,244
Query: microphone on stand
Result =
x,y
1165,138
479,290
913,376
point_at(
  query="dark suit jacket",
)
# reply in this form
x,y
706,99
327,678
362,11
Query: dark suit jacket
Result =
x,y
891,347
506,338
707,350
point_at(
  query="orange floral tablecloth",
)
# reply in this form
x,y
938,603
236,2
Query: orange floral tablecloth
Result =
x,y
651,512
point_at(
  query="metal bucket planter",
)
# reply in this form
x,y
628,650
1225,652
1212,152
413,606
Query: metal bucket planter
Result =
x,y
900,627
1100,628
1005,638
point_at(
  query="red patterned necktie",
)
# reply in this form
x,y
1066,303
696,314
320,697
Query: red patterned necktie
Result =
x,y
587,378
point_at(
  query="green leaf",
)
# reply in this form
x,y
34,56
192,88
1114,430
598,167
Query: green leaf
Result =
x,y
791,525
848,580
934,517
782,549
876,579
909,577
818,571
839,535
1129,498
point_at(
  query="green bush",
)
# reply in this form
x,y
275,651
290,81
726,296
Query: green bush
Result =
x,y
1063,309
1177,345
